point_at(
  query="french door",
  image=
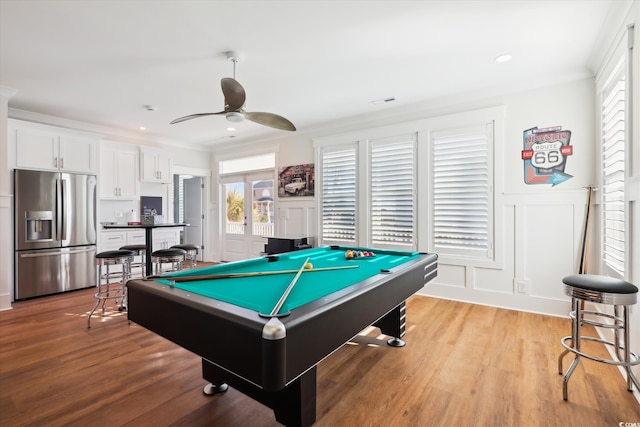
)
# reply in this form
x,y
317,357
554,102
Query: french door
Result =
x,y
248,214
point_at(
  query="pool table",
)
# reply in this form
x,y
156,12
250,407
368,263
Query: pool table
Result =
x,y
272,358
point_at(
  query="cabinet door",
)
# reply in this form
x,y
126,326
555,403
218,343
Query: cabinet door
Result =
x,y
36,149
165,163
148,169
118,174
127,174
108,182
77,154
136,237
155,165
112,240
163,239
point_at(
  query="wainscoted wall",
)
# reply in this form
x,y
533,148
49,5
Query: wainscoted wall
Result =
x,y
6,252
297,219
6,204
542,235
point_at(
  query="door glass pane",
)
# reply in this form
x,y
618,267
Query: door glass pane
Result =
x,y
235,218
262,203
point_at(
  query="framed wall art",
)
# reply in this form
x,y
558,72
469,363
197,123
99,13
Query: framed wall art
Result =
x,y
296,181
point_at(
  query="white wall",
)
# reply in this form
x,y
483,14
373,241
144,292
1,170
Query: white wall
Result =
x,y
541,226
6,205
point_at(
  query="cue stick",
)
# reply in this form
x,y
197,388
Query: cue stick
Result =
x,y
251,274
284,296
584,252
585,237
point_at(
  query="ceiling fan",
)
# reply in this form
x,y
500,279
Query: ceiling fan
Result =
x,y
234,97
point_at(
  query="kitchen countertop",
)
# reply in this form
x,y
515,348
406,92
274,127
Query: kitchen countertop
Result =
x,y
169,224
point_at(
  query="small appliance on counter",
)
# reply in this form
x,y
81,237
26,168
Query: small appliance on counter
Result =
x,y
132,218
152,219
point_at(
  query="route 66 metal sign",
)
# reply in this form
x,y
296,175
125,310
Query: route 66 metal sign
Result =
x,y
545,155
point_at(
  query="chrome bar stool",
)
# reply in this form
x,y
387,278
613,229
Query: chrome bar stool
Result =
x,y
139,250
601,290
173,256
192,253
112,281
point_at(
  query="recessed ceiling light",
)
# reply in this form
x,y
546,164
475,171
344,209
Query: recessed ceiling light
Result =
x,y
143,128
231,129
503,58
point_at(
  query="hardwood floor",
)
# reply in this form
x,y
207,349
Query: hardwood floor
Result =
x,y
464,365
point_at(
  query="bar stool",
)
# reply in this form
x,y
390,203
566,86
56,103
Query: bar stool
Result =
x,y
192,253
602,290
139,250
173,256
106,288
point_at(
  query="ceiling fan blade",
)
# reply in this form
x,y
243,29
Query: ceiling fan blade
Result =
x,y
271,120
195,116
234,95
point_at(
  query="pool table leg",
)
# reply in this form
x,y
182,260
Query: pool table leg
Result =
x,y
394,324
211,389
294,405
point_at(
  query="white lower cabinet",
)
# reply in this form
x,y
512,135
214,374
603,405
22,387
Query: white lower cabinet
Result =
x,y
112,240
165,238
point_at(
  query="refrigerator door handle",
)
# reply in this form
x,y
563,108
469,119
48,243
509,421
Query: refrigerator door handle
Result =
x,y
58,209
39,254
62,211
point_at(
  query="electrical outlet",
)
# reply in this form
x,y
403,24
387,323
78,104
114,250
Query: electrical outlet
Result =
x,y
522,286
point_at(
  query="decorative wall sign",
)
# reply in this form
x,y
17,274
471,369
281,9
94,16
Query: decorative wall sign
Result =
x,y
296,181
545,155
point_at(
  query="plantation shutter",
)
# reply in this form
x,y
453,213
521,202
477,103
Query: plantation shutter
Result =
x,y
613,155
339,196
462,191
392,209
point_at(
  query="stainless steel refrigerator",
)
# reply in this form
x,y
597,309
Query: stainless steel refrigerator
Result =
x,y
55,232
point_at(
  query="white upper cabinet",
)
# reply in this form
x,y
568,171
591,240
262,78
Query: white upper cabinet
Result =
x,y
155,165
119,172
45,147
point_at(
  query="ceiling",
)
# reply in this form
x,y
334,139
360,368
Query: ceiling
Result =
x,y
313,62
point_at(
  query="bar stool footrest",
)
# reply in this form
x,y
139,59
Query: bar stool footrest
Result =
x,y
635,359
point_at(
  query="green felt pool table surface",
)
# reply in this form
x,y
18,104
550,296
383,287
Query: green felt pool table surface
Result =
x,y
261,293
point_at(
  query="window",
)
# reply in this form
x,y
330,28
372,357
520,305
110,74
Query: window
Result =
x,y
462,192
392,211
370,194
613,174
247,164
339,196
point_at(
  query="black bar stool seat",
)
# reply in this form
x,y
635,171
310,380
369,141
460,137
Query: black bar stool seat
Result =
x,y
600,290
108,287
192,253
173,256
139,250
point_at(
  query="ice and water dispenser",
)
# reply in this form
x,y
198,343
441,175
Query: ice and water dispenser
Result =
x,y
39,226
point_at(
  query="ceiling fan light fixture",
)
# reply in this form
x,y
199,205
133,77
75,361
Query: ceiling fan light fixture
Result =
x,y
234,116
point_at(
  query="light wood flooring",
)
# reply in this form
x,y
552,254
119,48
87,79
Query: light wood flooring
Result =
x,y
463,365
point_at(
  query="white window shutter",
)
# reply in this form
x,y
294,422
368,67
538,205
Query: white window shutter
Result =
x,y
462,191
613,176
339,196
392,209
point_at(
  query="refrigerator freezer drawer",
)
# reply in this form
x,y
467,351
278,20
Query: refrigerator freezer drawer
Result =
x,y
46,272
